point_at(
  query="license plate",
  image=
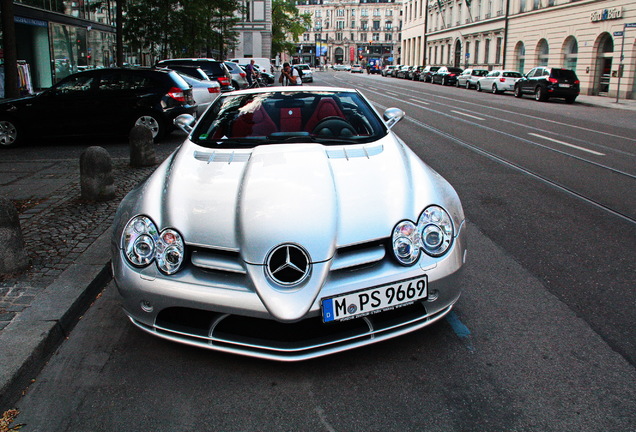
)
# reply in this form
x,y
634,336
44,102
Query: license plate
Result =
x,y
374,300
564,85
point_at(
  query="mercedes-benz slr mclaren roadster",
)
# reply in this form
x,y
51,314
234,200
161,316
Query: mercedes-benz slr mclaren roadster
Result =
x,y
291,224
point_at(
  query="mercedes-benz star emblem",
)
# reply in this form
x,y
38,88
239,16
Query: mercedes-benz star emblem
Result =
x,y
288,265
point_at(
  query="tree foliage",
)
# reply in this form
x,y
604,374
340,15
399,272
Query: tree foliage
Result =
x,y
181,28
287,23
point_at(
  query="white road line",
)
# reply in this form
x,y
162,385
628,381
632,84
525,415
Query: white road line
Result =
x,y
567,144
420,101
392,94
468,115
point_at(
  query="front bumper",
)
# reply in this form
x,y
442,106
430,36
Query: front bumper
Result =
x,y
223,312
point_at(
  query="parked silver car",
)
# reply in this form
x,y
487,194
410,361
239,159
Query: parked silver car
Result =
x,y
239,77
204,92
262,234
469,77
499,81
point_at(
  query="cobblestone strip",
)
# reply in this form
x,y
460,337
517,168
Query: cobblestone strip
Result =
x,y
56,232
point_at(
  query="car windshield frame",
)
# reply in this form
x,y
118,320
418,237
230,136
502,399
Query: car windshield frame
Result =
x,y
251,119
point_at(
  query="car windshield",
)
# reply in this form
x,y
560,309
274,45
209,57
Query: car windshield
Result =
x,y
252,119
512,74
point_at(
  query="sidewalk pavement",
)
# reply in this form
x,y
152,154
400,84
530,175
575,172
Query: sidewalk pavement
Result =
x,y
68,241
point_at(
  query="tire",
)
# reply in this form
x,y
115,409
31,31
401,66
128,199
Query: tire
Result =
x,y
10,133
540,94
467,85
152,122
570,99
517,92
444,81
494,89
478,87
457,83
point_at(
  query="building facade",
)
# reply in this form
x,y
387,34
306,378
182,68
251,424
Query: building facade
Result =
x,y
255,30
593,37
350,31
55,39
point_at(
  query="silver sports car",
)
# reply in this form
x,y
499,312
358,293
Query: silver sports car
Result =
x,y
291,224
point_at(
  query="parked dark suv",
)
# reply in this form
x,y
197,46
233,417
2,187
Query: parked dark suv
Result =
x,y
107,101
428,72
545,83
216,70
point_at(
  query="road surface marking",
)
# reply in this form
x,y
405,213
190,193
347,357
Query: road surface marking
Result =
x,y
567,144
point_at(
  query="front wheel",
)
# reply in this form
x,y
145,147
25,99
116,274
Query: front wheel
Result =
x,y
517,92
154,123
10,133
457,83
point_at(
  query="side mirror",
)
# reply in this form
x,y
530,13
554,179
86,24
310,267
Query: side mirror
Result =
x,y
392,116
185,122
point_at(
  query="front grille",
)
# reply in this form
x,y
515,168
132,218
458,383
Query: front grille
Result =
x,y
274,340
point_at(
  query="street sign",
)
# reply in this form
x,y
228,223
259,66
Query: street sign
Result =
x,y
618,33
630,25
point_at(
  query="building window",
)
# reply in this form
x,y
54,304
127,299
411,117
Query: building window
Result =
x,y
467,55
364,12
338,36
376,12
363,36
543,51
498,53
487,51
340,25
340,12
388,37
520,53
353,24
476,59
376,37
571,53
389,12
376,25
388,26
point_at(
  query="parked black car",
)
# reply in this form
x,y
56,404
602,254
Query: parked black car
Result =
x,y
414,74
97,102
446,75
428,72
545,83
216,70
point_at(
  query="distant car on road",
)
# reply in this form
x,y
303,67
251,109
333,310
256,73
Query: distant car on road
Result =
x,y
108,101
468,78
341,67
545,83
446,75
307,73
499,81
356,68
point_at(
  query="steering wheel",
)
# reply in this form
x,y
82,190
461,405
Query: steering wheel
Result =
x,y
334,127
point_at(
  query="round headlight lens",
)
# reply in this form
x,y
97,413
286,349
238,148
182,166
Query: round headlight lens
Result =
x,y
436,230
139,241
170,251
406,242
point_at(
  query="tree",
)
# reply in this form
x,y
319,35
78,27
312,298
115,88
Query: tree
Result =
x,y
287,22
183,28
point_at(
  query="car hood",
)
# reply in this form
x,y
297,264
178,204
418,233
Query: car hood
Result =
x,y
312,195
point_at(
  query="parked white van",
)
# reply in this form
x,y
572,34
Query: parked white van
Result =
x,y
263,63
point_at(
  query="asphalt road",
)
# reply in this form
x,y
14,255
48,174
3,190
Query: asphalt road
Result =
x,y
541,340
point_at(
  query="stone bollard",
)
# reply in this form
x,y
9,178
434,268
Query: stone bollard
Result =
x,y
96,175
13,258
142,147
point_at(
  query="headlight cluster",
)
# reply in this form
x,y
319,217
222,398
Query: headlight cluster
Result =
x,y
143,244
433,234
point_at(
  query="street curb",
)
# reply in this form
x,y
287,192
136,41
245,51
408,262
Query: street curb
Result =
x,y
30,340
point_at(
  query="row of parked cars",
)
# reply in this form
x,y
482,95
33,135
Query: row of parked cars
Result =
x,y
113,100
541,82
